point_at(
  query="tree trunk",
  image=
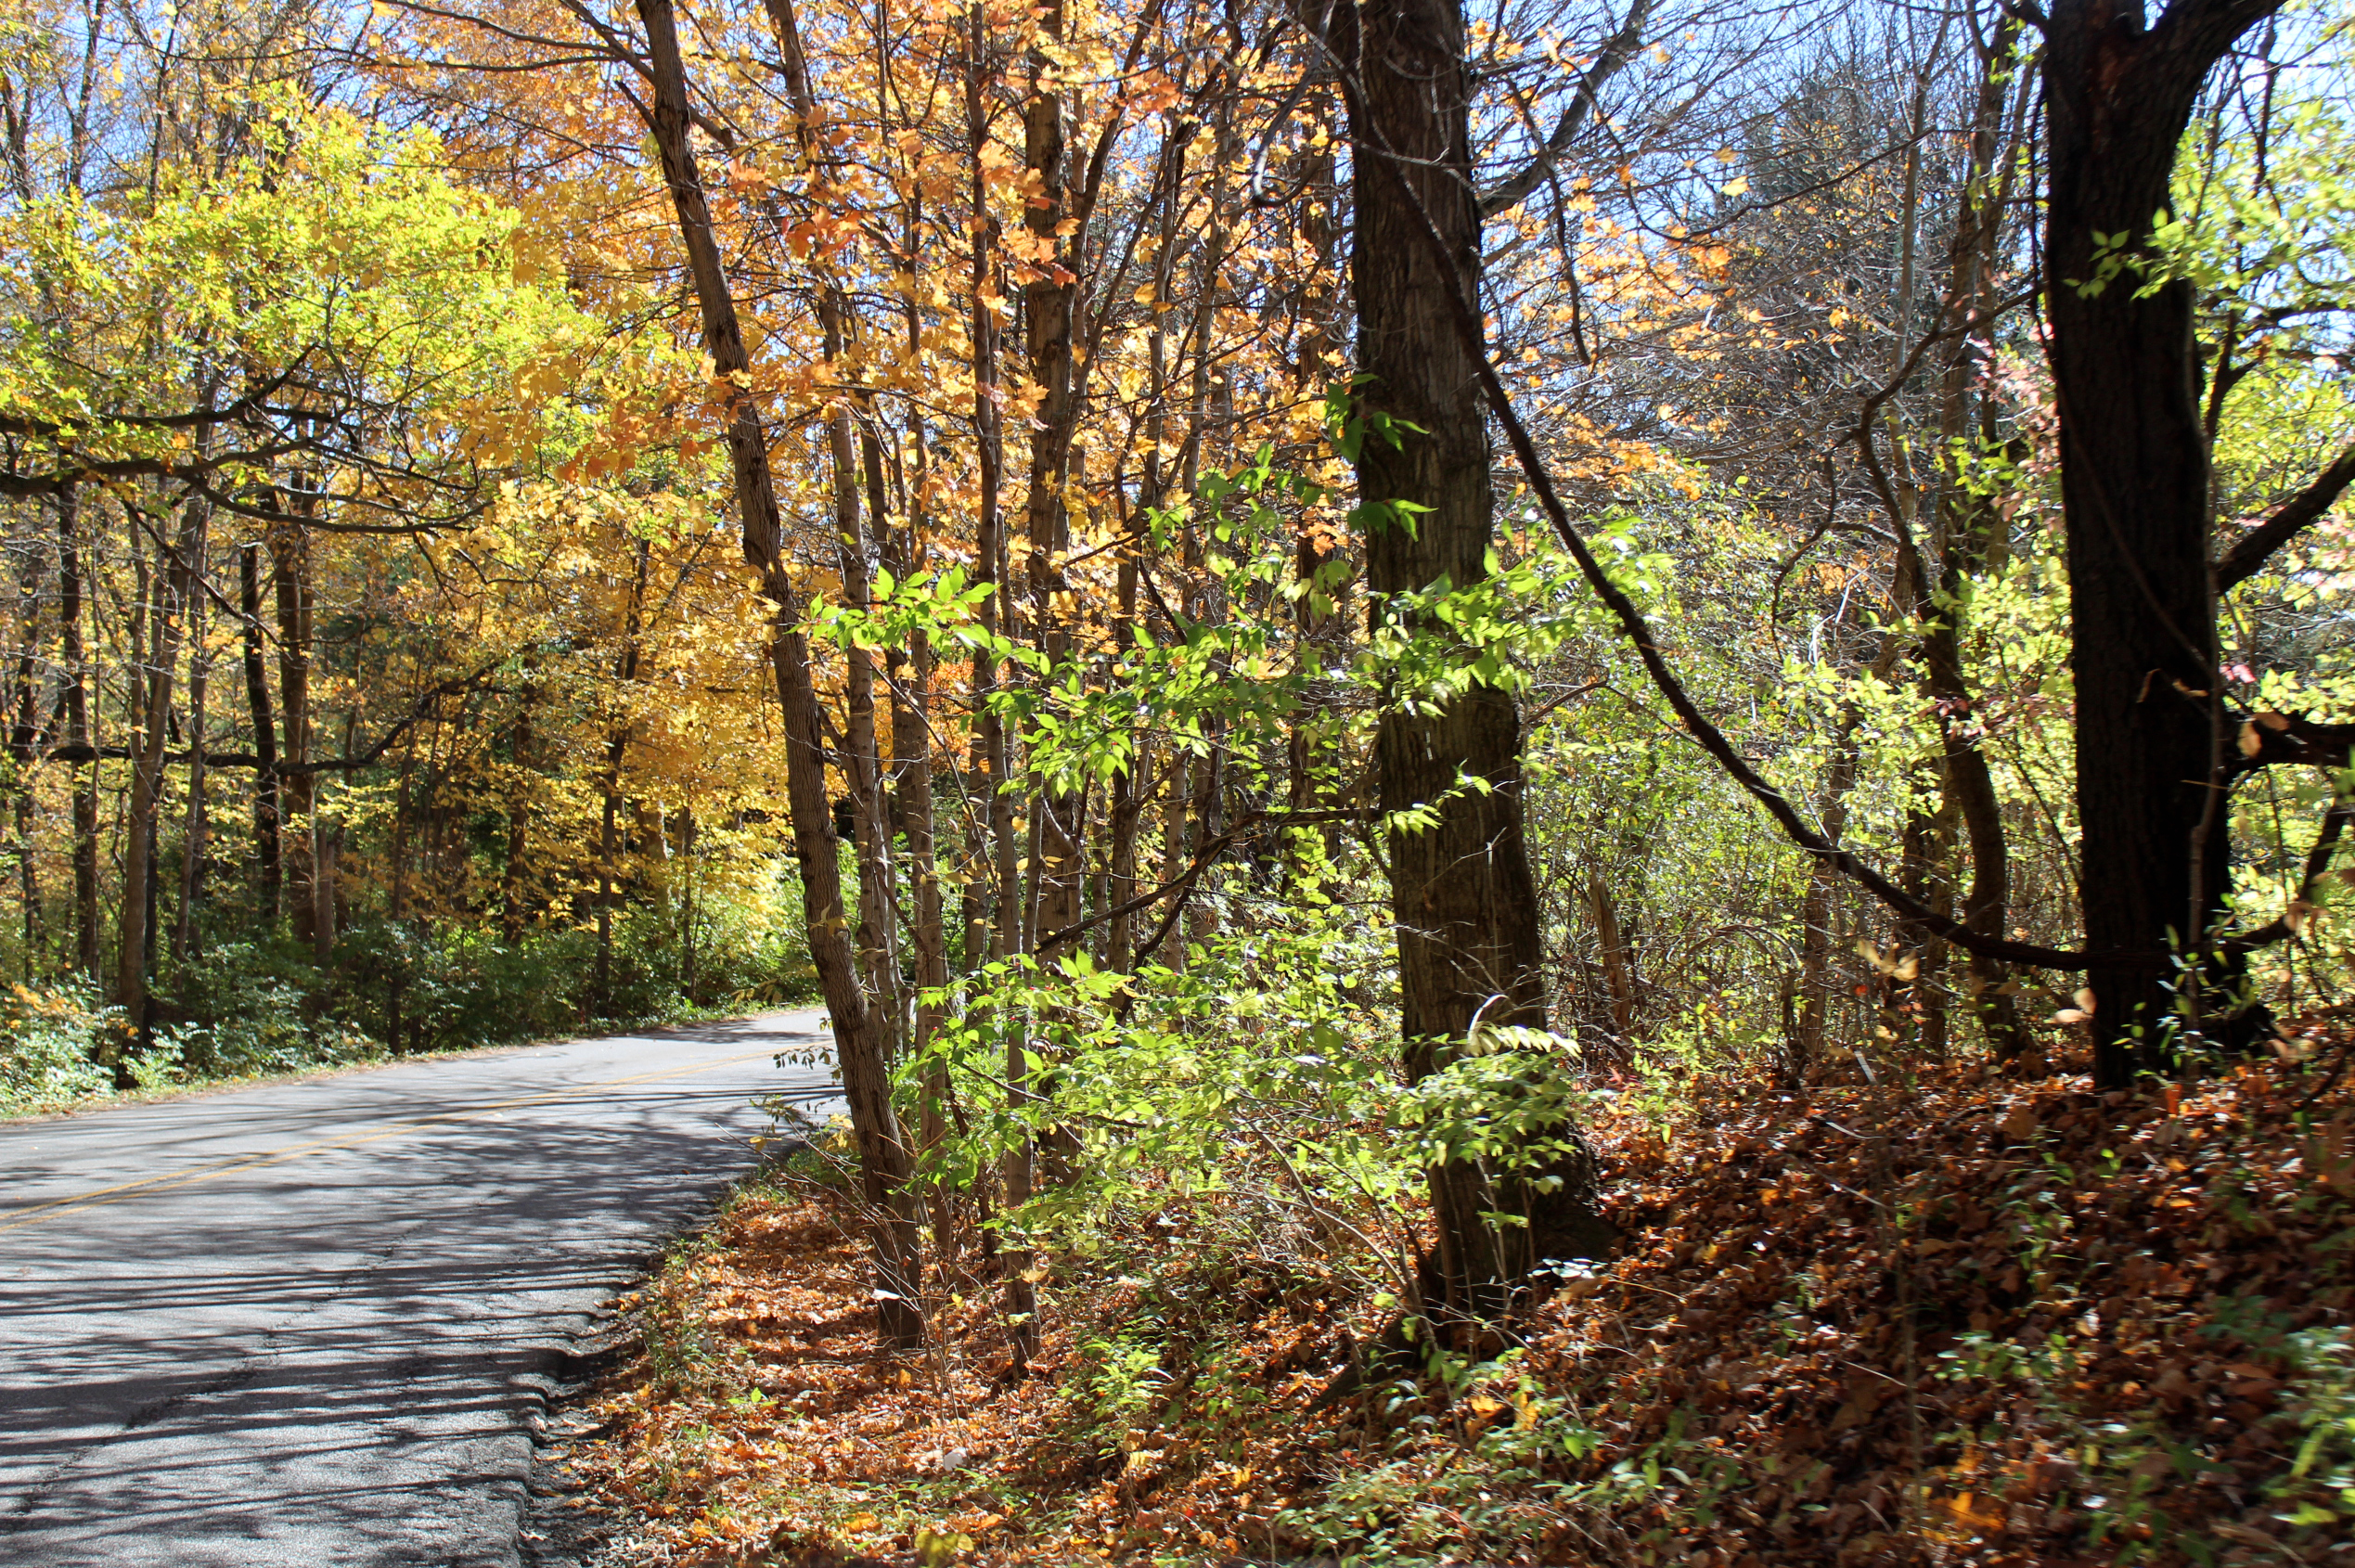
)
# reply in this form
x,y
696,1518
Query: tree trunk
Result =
x,y
913,818
190,590
877,937
146,701
1176,813
169,591
267,837
1618,971
24,739
1967,538
396,903
1047,316
877,945
512,886
194,829
1132,786
2135,493
989,552
298,790
79,733
865,1074
1462,893
1924,872
616,748
690,977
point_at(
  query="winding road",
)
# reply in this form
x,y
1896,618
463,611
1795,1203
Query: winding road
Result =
x,y
315,1322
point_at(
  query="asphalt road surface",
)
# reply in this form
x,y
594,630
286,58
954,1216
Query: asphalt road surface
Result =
x,y
315,1322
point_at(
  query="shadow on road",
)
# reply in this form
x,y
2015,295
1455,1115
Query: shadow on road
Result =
x,y
329,1359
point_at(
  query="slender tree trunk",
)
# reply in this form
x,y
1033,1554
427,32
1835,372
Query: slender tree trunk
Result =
x,y
148,682
877,943
1132,787
916,815
913,819
25,736
168,593
866,1078
1005,936
396,904
1965,538
989,549
616,750
1618,971
690,978
290,581
327,840
513,883
1461,892
877,937
195,827
1204,599
1047,316
1177,815
1925,871
1124,823
79,734
267,837
189,591
1208,816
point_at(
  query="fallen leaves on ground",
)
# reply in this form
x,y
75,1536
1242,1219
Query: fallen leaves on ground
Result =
x,y
1961,1320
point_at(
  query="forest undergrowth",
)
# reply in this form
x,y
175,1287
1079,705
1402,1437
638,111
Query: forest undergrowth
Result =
x,y
1955,1318
240,1011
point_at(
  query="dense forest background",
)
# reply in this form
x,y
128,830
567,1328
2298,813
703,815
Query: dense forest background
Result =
x,y
383,637
1288,611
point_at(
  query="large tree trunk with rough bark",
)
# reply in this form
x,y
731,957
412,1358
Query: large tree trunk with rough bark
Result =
x,y
1461,892
2135,489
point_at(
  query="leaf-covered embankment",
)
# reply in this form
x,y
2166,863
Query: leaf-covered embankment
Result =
x,y
1959,1320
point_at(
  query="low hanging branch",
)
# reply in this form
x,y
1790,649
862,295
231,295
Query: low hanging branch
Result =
x,y
1466,316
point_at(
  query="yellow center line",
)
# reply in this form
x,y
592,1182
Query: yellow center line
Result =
x,y
104,1195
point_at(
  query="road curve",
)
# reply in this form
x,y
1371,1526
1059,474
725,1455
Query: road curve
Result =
x,y
314,1322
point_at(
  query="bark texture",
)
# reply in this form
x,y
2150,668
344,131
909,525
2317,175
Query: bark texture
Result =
x,y
266,836
2135,489
1461,890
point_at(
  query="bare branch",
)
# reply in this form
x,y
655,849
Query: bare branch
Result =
x,y
2293,516
1615,54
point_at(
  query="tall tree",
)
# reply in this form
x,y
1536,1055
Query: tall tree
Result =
x,y
2135,478
883,1156
1461,889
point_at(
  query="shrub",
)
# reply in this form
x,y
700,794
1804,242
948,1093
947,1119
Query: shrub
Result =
x,y
50,1042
